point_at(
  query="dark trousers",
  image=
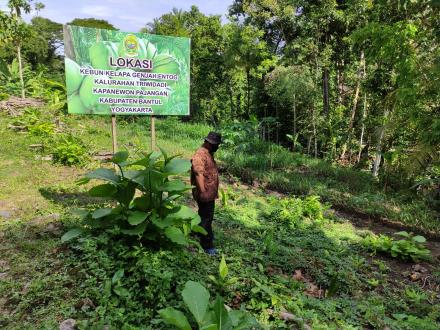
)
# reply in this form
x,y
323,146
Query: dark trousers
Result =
x,y
206,213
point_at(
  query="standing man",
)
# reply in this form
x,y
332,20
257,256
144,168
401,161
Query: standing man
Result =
x,y
204,176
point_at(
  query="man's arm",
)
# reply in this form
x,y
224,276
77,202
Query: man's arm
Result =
x,y
200,183
198,167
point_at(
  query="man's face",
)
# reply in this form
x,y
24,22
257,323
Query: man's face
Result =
x,y
214,147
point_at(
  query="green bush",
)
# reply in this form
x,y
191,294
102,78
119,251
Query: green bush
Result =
x,y
154,216
43,129
207,314
410,247
294,210
69,150
29,117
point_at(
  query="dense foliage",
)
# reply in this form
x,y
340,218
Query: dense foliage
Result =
x,y
154,215
292,261
325,106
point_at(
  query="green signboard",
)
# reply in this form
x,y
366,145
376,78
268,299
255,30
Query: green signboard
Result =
x,y
112,72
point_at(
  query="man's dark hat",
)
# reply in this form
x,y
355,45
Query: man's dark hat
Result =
x,y
214,138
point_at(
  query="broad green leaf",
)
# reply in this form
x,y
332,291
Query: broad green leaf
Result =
x,y
213,279
156,180
103,190
164,154
210,327
104,174
121,292
71,234
176,166
174,185
135,176
419,239
163,223
154,156
172,198
99,213
174,317
183,212
125,192
137,217
150,160
196,298
199,229
223,268
138,230
118,275
153,180
80,213
236,317
221,314
403,234
195,221
142,203
119,157
176,235
242,320
142,162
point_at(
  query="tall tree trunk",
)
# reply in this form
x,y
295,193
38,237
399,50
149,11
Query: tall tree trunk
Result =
x,y
231,100
294,121
381,134
340,81
309,143
248,91
325,92
361,74
20,70
314,133
277,131
361,139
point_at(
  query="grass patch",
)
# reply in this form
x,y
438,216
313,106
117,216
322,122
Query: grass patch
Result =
x,y
288,255
292,173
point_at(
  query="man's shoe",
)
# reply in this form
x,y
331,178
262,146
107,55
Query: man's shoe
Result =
x,y
211,252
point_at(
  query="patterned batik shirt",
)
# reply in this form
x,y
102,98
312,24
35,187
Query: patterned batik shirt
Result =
x,y
203,163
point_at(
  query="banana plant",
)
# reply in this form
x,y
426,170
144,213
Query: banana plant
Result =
x,y
146,193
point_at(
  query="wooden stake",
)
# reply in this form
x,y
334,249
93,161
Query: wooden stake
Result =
x,y
153,134
115,146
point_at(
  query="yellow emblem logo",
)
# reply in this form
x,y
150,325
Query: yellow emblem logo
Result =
x,y
131,45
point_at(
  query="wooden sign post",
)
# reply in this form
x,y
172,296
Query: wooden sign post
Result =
x,y
153,134
114,143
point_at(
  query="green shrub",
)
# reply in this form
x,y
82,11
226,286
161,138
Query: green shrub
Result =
x,y
154,216
69,150
208,315
294,210
410,247
220,281
35,122
43,129
29,117
314,209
